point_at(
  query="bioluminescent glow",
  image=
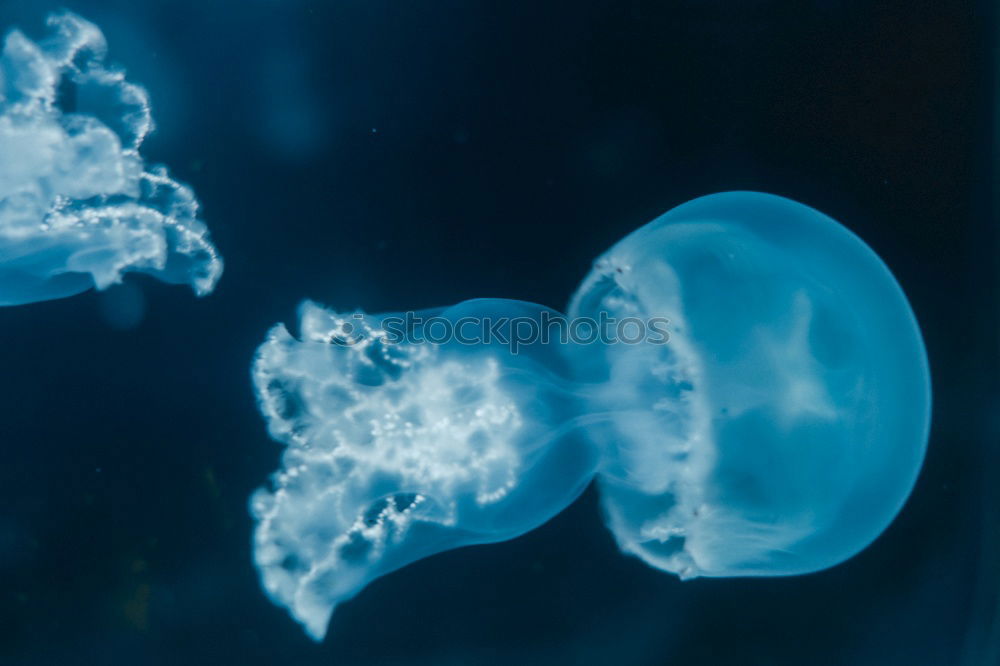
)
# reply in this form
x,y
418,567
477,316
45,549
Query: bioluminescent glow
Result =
x,y
777,429
78,206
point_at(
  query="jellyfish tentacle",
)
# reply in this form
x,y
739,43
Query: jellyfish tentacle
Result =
x,y
399,450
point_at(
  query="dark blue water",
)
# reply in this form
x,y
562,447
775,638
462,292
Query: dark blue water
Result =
x,y
398,155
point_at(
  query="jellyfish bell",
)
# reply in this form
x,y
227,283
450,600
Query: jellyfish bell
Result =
x,y
783,426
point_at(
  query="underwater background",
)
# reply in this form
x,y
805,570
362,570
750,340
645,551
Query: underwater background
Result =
x,y
393,155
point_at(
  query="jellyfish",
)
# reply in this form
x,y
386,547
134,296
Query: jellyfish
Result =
x,y
78,205
743,378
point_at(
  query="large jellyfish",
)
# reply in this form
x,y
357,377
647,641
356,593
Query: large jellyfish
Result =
x,y
775,426
78,206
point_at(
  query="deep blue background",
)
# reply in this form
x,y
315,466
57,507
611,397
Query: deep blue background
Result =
x,y
404,154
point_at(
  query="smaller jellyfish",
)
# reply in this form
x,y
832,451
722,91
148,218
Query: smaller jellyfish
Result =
x,y
78,205
776,429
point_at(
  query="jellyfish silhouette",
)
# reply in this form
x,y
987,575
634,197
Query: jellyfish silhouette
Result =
x,y
78,206
743,377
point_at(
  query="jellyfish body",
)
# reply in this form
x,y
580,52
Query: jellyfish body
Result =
x,y
78,206
777,430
